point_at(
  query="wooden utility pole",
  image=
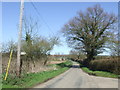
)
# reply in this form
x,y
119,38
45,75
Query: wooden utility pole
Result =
x,y
19,38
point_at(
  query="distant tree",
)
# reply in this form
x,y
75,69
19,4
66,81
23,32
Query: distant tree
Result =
x,y
8,46
115,50
89,31
114,45
73,54
43,46
77,54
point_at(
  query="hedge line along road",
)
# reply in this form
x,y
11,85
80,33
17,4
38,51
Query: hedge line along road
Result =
x,y
76,78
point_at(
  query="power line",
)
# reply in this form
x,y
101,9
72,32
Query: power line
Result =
x,y
40,15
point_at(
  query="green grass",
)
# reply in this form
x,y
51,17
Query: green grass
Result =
x,y
99,73
29,80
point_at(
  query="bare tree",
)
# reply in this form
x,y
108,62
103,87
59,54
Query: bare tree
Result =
x,y
8,46
89,31
113,45
37,48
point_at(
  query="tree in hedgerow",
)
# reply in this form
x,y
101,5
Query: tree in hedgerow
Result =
x,y
114,45
35,46
89,30
8,46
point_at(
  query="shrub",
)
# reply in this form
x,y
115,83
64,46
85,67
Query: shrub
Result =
x,y
110,65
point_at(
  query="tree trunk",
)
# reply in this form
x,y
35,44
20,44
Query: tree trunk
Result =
x,y
90,57
28,64
21,65
45,62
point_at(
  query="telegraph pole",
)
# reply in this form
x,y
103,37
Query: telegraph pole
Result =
x,y
19,38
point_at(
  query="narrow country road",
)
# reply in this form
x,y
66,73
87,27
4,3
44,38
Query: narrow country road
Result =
x,y
76,78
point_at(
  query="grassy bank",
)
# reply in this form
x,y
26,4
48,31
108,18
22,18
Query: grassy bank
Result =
x,y
29,80
99,73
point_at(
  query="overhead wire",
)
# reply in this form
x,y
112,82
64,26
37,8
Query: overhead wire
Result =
x,y
40,16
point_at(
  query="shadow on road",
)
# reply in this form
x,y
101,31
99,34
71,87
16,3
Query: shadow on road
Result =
x,y
69,66
75,66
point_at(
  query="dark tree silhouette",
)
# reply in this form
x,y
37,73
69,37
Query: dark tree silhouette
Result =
x,y
89,30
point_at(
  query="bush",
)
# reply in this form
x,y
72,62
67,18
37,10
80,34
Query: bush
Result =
x,y
110,65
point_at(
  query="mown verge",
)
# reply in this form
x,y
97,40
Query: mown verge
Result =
x,y
31,79
99,73
105,67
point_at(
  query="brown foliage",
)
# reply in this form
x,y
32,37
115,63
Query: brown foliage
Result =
x,y
27,66
109,64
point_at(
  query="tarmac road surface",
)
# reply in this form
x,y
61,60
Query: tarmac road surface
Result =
x,y
76,78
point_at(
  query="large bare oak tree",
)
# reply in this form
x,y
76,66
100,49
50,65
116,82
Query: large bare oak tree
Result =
x,y
89,30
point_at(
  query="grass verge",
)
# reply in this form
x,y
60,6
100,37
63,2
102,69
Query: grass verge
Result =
x,y
29,80
99,73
